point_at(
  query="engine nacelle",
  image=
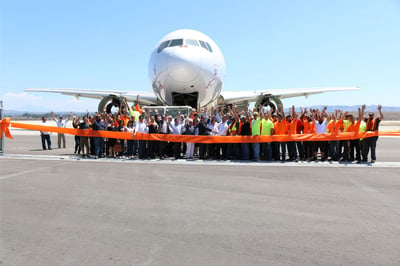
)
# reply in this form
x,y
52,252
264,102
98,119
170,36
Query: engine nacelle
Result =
x,y
108,102
269,100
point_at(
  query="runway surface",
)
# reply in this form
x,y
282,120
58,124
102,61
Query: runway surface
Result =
x,y
57,209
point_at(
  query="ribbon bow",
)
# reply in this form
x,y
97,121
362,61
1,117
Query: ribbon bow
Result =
x,y
5,128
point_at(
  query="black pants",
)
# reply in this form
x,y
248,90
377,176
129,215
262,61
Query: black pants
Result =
x,y
177,150
46,138
291,145
309,149
142,149
370,144
152,148
78,144
355,148
300,148
220,151
202,150
162,148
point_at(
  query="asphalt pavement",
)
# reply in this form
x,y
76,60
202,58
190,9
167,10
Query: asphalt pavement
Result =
x,y
58,209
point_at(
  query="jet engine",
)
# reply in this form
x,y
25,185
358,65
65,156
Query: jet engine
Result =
x,y
108,102
268,100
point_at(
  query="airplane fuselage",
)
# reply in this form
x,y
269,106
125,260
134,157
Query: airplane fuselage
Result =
x,y
187,68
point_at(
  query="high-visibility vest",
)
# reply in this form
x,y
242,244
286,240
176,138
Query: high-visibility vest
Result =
x,y
363,126
232,130
371,124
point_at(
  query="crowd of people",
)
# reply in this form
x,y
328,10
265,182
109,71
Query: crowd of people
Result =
x,y
225,121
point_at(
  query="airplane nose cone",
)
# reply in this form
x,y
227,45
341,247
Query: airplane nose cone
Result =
x,y
182,66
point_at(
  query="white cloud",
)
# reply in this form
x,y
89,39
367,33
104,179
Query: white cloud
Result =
x,y
15,101
29,102
22,96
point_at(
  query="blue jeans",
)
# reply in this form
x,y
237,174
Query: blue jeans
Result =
x,y
334,149
267,151
256,151
46,138
98,146
129,149
245,151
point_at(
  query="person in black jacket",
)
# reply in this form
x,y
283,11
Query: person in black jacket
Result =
x,y
152,145
163,128
203,131
244,130
189,129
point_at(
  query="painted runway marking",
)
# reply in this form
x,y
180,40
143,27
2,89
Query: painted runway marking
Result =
x,y
204,162
23,172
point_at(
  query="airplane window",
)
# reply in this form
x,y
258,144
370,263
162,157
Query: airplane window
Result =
x,y
209,47
176,42
203,44
192,43
206,46
163,45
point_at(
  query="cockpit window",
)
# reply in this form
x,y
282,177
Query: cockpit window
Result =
x,y
203,44
163,45
206,46
188,42
192,43
176,42
209,47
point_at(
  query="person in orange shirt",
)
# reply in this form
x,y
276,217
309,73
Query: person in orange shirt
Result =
x,y
299,131
309,128
354,127
291,120
333,128
372,124
354,143
124,116
280,128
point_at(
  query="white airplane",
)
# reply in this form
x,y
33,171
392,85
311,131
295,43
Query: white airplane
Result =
x,y
187,67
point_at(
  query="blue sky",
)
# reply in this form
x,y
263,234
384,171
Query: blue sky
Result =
x,y
266,44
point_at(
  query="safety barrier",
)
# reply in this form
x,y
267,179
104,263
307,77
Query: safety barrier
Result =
x,y
6,123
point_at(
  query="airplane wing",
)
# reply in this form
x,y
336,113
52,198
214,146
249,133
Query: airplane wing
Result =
x,y
251,96
145,98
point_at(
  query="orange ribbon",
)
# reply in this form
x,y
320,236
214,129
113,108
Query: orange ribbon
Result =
x,y
5,128
5,124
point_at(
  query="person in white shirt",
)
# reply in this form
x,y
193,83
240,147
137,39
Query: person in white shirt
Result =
x,y
45,136
61,123
176,129
189,129
141,127
321,123
222,130
130,142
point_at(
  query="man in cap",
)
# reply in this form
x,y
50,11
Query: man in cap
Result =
x,y
61,123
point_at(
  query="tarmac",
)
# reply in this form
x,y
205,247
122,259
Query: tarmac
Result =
x,y
59,209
